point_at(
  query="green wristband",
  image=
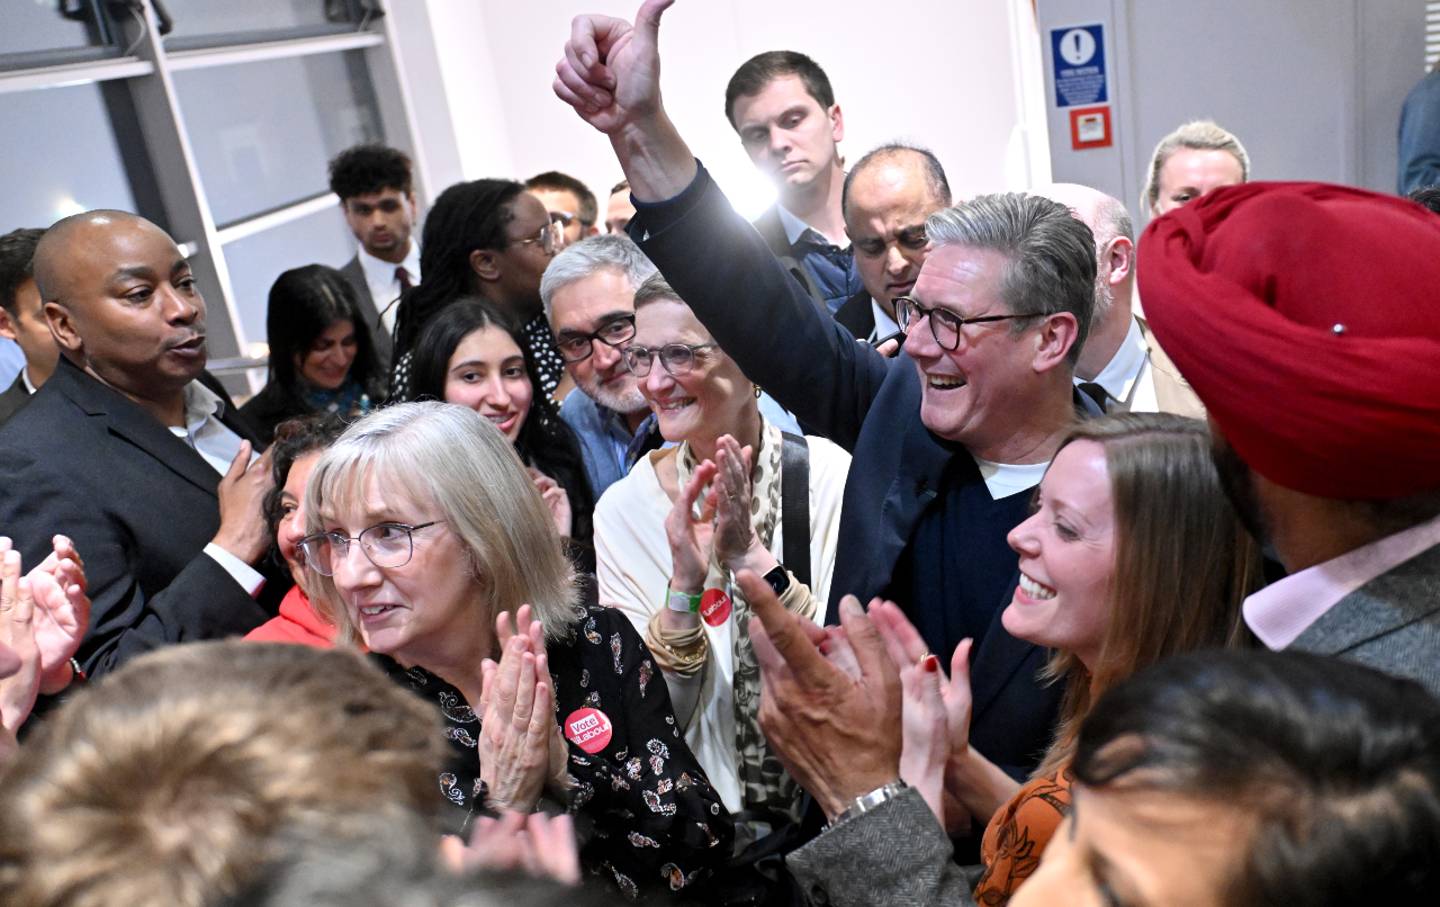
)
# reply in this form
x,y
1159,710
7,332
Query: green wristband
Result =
x,y
684,602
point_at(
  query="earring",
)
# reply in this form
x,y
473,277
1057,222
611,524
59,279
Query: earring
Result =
x,y
758,391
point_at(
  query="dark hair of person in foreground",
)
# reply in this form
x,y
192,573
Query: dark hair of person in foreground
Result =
x,y
1336,767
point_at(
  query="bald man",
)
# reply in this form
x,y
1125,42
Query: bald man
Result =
x,y
886,197
125,451
1120,367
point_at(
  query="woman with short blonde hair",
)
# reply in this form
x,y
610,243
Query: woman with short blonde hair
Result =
x,y
431,539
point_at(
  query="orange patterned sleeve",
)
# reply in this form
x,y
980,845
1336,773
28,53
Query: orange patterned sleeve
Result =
x,y
1018,834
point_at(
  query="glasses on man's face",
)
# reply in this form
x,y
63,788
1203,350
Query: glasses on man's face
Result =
x,y
945,325
677,358
387,545
576,346
551,238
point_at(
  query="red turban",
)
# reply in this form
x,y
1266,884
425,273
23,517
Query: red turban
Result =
x,y
1307,319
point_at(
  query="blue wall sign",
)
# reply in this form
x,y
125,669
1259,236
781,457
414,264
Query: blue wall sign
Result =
x,y
1078,52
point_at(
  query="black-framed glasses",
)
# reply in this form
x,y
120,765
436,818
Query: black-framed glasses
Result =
x,y
551,238
677,358
387,545
945,325
576,346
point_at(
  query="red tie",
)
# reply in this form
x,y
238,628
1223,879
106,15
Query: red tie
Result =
x,y
403,276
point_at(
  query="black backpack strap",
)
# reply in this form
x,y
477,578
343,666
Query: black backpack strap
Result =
x,y
795,505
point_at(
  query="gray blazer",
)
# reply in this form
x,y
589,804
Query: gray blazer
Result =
x,y
895,854
1391,623
380,337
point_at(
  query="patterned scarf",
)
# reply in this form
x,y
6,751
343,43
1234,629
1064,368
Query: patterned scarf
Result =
x,y
764,783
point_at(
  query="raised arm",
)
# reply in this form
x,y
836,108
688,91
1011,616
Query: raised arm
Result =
x,y
716,262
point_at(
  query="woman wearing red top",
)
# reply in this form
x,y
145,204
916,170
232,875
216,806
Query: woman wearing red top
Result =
x,y
297,447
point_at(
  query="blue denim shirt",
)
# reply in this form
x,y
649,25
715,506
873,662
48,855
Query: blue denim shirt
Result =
x,y
1419,142
830,267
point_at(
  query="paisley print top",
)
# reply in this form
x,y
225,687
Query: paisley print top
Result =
x,y
647,817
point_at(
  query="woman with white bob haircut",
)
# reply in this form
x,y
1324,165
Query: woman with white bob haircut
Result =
x,y
429,538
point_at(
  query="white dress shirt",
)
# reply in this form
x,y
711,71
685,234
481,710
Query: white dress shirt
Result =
x,y
1128,378
384,285
884,324
218,445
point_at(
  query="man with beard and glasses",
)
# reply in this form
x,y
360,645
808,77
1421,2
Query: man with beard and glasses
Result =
x,y
589,296
128,453
1302,315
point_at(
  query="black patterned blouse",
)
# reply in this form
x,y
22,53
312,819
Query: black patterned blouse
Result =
x,y
647,817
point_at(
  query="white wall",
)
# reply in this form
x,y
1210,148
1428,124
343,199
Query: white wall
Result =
x,y
940,72
1312,87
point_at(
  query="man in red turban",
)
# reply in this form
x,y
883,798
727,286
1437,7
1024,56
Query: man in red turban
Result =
x,y
1307,319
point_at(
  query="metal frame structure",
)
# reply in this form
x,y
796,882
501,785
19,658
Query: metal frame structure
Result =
x,y
137,74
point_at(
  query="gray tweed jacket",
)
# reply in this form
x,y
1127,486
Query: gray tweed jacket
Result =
x,y
1391,623
895,854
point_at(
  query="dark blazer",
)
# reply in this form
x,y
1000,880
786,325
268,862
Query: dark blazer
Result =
x,y
866,403
141,505
14,399
379,337
856,316
1391,623
772,230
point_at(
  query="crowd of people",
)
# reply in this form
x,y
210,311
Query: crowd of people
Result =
x,y
893,548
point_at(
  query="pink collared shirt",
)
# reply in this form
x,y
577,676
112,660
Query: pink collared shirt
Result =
x,y
1280,612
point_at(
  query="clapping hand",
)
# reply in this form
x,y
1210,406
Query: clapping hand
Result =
x,y
691,535
735,536
556,501
837,734
19,656
540,845
936,714
520,746
61,611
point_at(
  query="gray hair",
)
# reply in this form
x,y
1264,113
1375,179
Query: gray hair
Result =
x,y
456,464
1199,135
935,179
590,256
655,287
1051,252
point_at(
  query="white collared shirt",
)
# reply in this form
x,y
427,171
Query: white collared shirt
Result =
x,y
1005,479
884,324
1128,378
217,445
384,285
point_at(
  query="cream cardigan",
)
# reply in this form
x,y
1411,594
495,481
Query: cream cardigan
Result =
x,y
633,567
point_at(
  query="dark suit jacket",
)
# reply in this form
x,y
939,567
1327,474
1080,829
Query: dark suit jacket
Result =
x,y
141,505
856,316
866,403
1391,623
379,337
13,400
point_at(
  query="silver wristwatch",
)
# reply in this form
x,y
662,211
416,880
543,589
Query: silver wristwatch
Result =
x,y
863,804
